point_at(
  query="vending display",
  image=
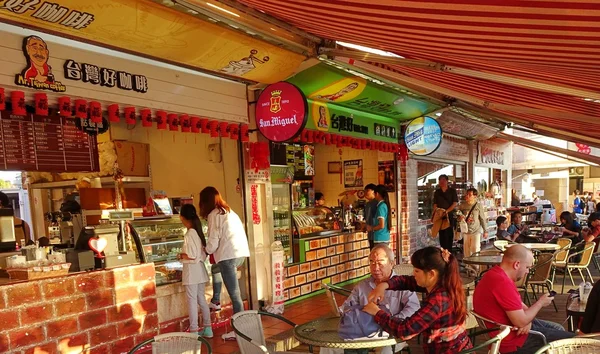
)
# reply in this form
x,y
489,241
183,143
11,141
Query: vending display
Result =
x,y
282,219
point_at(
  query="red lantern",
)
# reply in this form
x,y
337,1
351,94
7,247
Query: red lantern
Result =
x,y
129,115
195,124
214,128
161,120
368,144
64,106
205,129
173,122
2,99
327,139
95,112
113,113
244,134
146,117
18,102
234,131
184,120
223,131
41,104
334,139
81,109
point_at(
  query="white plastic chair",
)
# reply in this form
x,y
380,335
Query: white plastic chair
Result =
x,y
493,343
571,346
174,343
248,328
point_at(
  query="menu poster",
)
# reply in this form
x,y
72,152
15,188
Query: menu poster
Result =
x,y
385,174
50,144
353,173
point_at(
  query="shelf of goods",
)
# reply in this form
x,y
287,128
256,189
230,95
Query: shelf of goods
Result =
x,y
492,228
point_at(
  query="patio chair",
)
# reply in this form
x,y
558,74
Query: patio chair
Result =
x,y
330,291
586,258
571,345
173,343
560,256
248,328
493,343
539,275
483,323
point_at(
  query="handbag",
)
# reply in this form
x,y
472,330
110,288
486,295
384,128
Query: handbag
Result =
x,y
355,323
463,227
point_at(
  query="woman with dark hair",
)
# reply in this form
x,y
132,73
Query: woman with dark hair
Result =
x,y
571,227
382,220
194,276
443,312
228,244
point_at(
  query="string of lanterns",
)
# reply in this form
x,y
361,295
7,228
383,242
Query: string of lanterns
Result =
x,y
82,109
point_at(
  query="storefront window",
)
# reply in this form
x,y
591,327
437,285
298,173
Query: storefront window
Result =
x,y
427,182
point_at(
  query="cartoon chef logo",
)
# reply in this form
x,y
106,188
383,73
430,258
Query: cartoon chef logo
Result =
x,y
244,65
38,73
275,101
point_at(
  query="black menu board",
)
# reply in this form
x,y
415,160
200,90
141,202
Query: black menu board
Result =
x,y
50,144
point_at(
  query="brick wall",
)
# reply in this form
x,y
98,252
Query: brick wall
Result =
x,y
99,312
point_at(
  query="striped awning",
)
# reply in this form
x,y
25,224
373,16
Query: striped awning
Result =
x,y
537,61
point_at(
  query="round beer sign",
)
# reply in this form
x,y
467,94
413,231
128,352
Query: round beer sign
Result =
x,y
423,136
281,112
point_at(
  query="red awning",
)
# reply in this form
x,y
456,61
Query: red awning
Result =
x,y
553,43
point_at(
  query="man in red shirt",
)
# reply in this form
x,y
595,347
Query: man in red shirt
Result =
x,y
496,297
592,232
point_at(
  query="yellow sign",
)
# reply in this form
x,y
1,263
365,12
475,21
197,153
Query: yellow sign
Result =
x,y
320,116
158,31
343,90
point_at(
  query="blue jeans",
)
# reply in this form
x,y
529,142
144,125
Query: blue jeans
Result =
x,y
552,331
226,272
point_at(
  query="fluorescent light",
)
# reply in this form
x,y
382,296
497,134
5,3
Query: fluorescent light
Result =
x,y
369,50
222,9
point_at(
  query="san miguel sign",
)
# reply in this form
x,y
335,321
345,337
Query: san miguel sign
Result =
x,y
281,112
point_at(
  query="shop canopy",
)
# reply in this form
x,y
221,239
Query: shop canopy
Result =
x,y
534,63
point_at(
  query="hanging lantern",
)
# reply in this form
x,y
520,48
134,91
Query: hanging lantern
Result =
x,y
18,102
129,115
223,129
195,124
41,104
161,120
234,131
173,122
146,117
113,113
64,106
81,109
327,138
214,128
205,129
184,120
95,112
244,134
2,99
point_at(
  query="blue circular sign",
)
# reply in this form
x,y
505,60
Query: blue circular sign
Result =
x,y
423,136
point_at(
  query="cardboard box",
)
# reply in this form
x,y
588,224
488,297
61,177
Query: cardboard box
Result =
x,y
133,158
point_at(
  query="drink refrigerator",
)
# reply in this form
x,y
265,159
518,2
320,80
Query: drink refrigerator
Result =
x,y
282,212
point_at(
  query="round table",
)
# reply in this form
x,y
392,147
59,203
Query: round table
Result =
x,y
323,332
538,246
487,260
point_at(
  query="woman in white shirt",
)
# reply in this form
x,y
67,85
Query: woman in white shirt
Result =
x,y
194,276
228,244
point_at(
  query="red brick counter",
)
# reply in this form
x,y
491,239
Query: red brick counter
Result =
x,y
98,312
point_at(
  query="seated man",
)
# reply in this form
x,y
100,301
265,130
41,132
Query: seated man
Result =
x,y
502,233
401,304
496,298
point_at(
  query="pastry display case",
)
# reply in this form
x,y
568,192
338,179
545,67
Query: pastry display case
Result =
x,y
314,221
161,240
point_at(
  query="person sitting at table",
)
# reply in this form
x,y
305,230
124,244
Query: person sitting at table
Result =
x,y
502,232
443,313
570,227
592,231
401,304
517,230
591,318
496,298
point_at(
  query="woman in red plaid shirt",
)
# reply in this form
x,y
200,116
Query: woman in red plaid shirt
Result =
x,y
443,313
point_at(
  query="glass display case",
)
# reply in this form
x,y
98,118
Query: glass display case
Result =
x,y
314,221
161,240
282,219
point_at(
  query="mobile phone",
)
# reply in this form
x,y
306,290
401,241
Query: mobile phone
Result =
x,y
552,293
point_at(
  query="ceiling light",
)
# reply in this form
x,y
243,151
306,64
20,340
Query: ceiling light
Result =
x,y
369,50
222,9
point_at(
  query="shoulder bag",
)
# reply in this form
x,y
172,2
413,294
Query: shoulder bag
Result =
x,y
355,323
463,226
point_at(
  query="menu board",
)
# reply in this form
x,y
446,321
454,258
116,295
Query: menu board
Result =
x,y
50,144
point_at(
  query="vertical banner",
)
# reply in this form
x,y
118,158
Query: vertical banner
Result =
x,y
277,277
309,160
385,174
353,173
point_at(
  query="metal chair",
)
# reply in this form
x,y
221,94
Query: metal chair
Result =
x,y
571,346
493,343
330,291
484,321
248,328
174,343
560,256
586,258
539,275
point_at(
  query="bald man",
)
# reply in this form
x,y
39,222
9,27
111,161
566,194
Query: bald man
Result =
x,y
496,297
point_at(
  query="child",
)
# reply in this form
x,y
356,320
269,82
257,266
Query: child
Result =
x,y
194,272
502,233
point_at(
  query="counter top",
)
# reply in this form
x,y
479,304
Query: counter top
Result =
x,y
327,234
